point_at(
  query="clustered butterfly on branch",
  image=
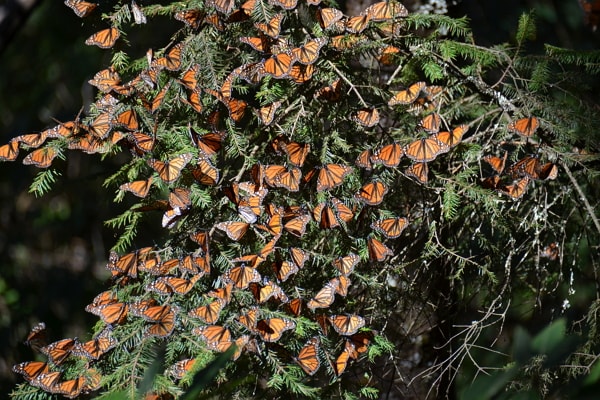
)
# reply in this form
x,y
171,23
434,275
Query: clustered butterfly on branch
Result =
x,y
239,270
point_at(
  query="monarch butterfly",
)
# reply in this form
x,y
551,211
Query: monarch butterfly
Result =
x,y
210,312
58,351
286,4
309,52
180,198
377,250
88,144
425,150
297,226
491,182
331,92
138,14
128,119
364,159
105,39
408,95
180,368
388,55
224,6
170,171
420,171
496,163
342,212
299,256
389,155
367,117
32,139
273,28
31,369
343,283
242,276
266,114
325,216
96,347
284,269
9,151
301,73
236,108
552,251
163,319
106,80
358,24
524,126
372,193
262,43
296,152
128,263
271,329
235,230
308,357
342,361
266,290
216,337
431,123
155,104
101,125
47,381
348,324
328,16
346,264
205,173
81,8
192,18
548,171
171,216
278,65
332,175
180,285
294,307
517,189
288,179
193,100
346,42
390,227
110,313
37,337
138,188
223,293
453,138
41,158
386,10
171,60
324,298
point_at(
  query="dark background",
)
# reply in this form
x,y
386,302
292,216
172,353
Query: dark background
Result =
x,y
53,249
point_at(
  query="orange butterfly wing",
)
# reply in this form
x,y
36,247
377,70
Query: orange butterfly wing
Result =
x,y
105,39
308,357
372,193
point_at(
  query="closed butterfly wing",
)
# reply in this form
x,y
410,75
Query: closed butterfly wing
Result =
x,y
273,28
180,368
496,163
31,369
296,152
348,324
284,270
81,8
216,337
342,212
41,158
299,256
420,171
285,4
517,189
386,10
37,337
324,298
358,23
235,230
301,73
57,352
297,226
224,6
329,16
9,151
138,188
97,347
364,159
33,140
308,357
346,264
192,18
431,123
105,39
171,60
377,250
205,173
101,125
266,114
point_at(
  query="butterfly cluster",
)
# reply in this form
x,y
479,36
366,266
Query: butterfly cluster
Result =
x,y
277,205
